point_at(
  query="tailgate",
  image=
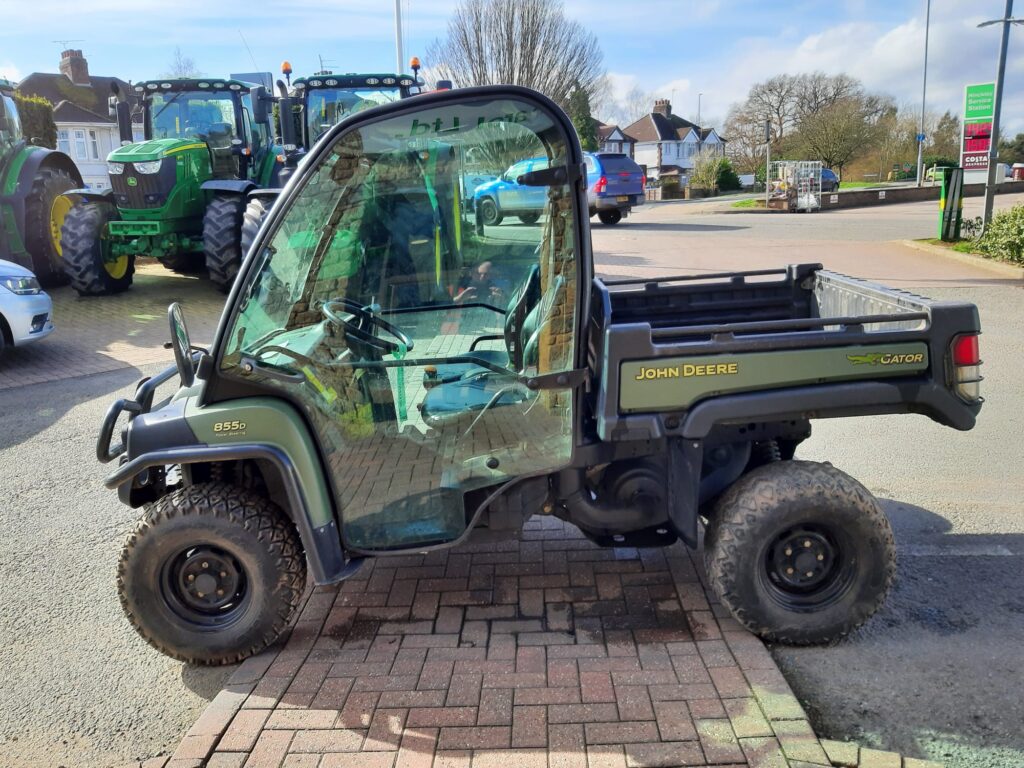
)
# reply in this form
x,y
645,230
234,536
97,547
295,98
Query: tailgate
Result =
x,y
623,175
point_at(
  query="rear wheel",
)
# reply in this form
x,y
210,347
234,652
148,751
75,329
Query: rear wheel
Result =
x,y
86,251
45,211
614,216
799,552
222,236
529,218
256,211
489,213
212,574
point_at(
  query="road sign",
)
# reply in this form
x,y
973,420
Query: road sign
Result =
x,y
920,137
979,111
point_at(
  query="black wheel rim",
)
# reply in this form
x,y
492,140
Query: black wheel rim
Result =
x,y
489,211
205,586
808,567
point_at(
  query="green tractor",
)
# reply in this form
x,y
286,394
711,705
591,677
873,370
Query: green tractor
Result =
x,y
316,103
180,194
32,209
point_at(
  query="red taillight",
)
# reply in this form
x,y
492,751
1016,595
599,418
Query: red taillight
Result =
x,y
966,367
644,177
965,350
601,185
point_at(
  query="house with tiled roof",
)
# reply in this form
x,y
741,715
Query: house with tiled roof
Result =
x,y
668,144
611,138
86,131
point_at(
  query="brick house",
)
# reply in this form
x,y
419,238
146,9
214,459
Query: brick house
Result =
x,y
667,144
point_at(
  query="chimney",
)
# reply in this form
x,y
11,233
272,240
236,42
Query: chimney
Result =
x,y
662,107
74,67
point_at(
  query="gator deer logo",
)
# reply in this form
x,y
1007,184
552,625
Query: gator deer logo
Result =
x,y
887,358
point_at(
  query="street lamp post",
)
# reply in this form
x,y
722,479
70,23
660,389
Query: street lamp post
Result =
x,y
993,150
924,91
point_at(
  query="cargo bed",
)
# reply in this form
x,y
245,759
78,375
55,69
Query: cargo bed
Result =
x,y
797,342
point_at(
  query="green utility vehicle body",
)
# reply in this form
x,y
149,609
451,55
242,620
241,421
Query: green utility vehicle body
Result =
x,y
386,405
178,195
31,181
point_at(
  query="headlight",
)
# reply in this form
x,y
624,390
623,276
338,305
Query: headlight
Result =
x,y
23,286
115,169
151,167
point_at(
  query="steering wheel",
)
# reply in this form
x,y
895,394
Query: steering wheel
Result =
x,y
367,321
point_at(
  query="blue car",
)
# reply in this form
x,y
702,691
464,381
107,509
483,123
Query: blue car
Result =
x,y
829,180
614,185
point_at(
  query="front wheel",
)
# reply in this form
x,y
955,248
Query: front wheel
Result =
x,y
256,211
614,216
529,218
222,239
799,552
212,574
88,263
489,213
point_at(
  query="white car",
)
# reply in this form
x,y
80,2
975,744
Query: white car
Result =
x,y
26,311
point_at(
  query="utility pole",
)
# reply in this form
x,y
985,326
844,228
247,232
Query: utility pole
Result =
x,y
398,38
924,90
993,150
767,158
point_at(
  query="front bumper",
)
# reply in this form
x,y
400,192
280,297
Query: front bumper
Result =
x,y
30,318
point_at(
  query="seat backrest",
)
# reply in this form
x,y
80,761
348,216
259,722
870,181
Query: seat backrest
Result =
x,y
538,318
520,305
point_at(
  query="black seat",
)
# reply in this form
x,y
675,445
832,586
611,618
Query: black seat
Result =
x,y
519,306
456,401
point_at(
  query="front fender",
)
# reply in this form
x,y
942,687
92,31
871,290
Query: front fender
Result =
x,y
236,186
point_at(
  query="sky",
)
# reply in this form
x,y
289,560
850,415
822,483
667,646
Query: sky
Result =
x,y
674,49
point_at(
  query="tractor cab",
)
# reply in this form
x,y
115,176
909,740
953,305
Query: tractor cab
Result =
x,y
434,362
327,99
217,113
10,123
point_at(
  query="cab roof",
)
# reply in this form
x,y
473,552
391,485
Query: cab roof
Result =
x,y
354,80
6,85
192,84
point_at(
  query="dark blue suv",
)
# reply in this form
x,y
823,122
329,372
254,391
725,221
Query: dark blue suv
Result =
x,y
614,185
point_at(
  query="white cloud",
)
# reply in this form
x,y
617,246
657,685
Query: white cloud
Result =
x,y
9,72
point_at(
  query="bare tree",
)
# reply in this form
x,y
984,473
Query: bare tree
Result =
x,y
817,91
845,130
527,42
182,66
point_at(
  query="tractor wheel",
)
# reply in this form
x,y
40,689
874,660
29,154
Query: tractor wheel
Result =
x,y
614,216
84,243
529,218
45,211
256,211
185,263
489,213
211,574
222,238
799,552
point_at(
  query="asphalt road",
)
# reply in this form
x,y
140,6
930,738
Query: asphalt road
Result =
x,y
936,673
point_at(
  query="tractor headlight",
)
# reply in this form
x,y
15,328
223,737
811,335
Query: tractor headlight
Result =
x,y
115,169
151,167
22,286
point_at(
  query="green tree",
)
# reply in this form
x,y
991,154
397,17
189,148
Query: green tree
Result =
x,y
945,141
582,120
37,119
727,178
1012,151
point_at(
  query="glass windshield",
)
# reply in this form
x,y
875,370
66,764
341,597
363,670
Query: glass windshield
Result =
x,y
204,115
10,111
329,106
407,327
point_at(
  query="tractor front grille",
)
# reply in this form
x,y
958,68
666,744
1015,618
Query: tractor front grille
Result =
x,y
149,190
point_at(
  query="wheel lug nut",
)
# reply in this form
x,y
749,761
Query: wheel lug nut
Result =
x,y
200,594
223,574
207,565
821,557
220,592
191,577
789,571
789,551
809,574
807,543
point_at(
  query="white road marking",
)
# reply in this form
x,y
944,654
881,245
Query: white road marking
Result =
x,y
956,550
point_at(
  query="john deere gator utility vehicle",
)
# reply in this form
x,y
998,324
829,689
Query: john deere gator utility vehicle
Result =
x,y
374,391
320,102
180,194
32,180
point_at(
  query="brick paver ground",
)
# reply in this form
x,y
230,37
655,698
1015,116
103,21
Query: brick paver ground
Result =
x,y
106,333
543,651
